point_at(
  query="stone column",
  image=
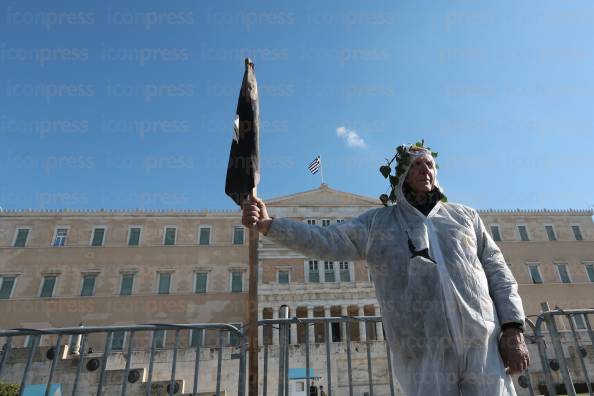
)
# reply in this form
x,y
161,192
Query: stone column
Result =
x,y
311,330
343,325
293,330
327,314
362,335
380,326
275,331
260,269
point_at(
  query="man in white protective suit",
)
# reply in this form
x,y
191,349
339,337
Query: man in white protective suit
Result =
x,y
451,310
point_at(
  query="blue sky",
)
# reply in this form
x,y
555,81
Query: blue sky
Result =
x,y
124,105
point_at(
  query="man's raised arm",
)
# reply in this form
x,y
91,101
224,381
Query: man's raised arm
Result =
x,y
341,241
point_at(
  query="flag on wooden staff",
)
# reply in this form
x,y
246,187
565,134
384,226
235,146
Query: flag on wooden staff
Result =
x,y
243,175
243,169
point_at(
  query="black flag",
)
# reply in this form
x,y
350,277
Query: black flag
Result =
x,y
243,170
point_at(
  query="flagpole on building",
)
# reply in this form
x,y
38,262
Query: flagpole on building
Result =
x,y
321,168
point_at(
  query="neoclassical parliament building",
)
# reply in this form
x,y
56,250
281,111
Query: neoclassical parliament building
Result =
x,y
98,267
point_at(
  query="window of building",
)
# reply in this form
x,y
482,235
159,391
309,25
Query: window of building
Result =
x,y
29,340
6,286
88,285
283,277
60,237
300,386
580,323
563,272
74,342
201,282
238,235
170,233
535,273
196,337
98,236
236,281
233,336
325,222
311,221
590,271
523,232
329,271
551,232
127,284
47,286
159,338
495,232
117,342
204,235
20,239
345,272
340,220
134,234
314,272
577,232
164,282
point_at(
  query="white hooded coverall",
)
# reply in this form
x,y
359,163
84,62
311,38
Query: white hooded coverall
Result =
x,y
441,315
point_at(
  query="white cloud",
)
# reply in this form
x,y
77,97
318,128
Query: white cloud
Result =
x,y
351,137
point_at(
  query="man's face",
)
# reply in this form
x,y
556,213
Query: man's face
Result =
x,y
421,175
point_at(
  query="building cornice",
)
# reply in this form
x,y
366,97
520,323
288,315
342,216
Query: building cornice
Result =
x,y
119,213
235,213
538,212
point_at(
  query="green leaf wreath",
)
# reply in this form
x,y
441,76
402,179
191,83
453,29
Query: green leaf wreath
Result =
x,y
403,159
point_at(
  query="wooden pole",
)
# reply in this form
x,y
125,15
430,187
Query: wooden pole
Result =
x,y
252,309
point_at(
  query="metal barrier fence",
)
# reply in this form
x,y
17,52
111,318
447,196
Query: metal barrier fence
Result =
x,y
282,349
283,359
562,370
573,369
96,362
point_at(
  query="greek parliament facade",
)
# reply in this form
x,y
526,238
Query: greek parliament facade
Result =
x,y
66,268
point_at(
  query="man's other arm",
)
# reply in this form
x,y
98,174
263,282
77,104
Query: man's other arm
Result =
x,y
503,287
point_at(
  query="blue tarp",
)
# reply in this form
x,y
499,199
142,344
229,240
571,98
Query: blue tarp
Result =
x,y
299,373
39,390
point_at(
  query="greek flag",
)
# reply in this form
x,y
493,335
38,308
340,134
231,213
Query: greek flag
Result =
x,y
315,165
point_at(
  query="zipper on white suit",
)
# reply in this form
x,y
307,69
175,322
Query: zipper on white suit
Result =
x,y
448,293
